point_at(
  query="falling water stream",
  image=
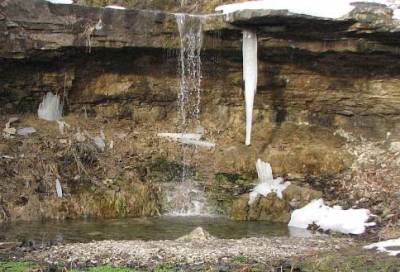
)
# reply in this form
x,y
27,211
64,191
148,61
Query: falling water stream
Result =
x,y
185,198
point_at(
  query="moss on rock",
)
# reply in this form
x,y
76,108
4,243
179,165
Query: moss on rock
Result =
x,y
271,208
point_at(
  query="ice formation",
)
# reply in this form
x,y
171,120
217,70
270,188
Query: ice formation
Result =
x,y
60,1
114,7
390,247
100,141
187,138
51,108
267,183
250,75
326,8
352,221
181,136
26,131
198,143
59,188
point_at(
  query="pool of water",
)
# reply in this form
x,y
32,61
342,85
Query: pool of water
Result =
x,y
163,228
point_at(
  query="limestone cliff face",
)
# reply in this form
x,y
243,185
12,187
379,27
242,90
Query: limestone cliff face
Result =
x,y
167,5
324,84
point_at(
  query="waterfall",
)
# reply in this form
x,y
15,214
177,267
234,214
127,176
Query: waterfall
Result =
x,y
185,198
191,37
250,72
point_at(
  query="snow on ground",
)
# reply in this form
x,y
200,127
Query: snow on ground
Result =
x,y
267,183
352,221
60,1
114,7
391,247
326,8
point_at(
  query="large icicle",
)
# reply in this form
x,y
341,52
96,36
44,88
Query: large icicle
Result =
x,y
250,73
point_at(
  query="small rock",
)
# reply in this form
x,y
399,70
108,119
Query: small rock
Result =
x,y
198,234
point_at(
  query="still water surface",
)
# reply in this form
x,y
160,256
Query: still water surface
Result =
x,y
163,228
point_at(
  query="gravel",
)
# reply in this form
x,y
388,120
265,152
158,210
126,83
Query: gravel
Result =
x,y
189,252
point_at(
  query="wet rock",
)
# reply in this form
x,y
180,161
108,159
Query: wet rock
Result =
x,y
240,208
298,197
270,208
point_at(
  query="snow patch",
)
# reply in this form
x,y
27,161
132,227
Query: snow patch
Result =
x,y
51,107
267,183
327,8
385,246
352,221
250,76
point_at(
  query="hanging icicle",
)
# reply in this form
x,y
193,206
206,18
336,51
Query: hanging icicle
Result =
x,y
250,75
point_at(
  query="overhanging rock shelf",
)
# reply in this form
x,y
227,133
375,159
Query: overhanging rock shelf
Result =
x,y
33,27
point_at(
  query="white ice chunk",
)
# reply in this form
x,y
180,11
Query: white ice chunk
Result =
x,y
267,183
68,2
198,143
250,76
114,7
51,107
59,188
385,246
26,131
326,8
181,136
188,138
100,143
352,221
